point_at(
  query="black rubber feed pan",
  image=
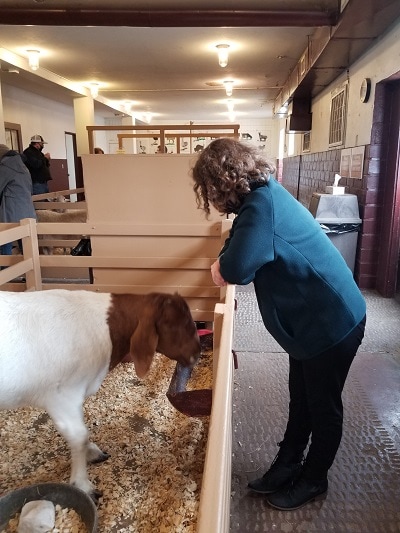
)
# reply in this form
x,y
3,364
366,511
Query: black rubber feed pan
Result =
x,y
194,403
62,494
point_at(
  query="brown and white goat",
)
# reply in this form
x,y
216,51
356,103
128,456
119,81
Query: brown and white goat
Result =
x,y
57,346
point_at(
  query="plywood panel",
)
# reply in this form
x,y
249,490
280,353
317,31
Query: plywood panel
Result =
x,y
153,198
141,189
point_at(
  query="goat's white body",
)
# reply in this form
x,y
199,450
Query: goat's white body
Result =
x,y
55,351
46,347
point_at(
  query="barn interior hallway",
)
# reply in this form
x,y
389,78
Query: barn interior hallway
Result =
x,y
364,482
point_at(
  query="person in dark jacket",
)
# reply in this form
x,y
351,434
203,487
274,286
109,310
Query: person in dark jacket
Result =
x,y
38,164
308,301
15,191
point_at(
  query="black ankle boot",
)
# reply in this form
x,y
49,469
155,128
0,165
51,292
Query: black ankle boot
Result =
x,y
285,468
301,492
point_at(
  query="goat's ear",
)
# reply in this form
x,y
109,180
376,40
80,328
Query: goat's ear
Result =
x,y
143,346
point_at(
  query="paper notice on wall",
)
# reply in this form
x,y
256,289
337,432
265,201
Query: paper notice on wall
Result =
x,y
345,161
357,162
352,162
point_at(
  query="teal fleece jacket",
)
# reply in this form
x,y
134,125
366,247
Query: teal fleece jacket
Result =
x,y
306,293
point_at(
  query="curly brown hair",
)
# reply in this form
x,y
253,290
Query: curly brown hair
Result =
x,y
225,172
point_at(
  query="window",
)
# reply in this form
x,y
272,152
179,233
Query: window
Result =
x,y
13,136
337,124
306,141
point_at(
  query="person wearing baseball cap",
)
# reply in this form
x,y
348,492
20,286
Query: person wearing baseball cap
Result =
x,y
38,164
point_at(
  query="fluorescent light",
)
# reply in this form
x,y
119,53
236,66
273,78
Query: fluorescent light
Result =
x,y
33,59
223,54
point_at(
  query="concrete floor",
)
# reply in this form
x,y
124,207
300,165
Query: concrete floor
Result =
x,y
364,482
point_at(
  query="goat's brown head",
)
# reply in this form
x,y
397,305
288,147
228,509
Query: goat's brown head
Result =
x,y
166,326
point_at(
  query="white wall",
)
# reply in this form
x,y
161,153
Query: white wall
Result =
x,y
265,127
37,114
379,63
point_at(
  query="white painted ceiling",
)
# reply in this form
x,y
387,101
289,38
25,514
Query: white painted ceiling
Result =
x,y
172,72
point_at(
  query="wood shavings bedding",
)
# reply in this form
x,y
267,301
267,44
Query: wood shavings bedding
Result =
x,y
152,480
67,521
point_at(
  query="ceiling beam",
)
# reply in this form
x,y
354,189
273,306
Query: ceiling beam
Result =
x,y
167,18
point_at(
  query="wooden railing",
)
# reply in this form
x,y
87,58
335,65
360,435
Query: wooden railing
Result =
x,y
165,132
51,200
214,509
142,273
27,265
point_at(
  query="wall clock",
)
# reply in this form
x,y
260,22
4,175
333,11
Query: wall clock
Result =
x,y
365,90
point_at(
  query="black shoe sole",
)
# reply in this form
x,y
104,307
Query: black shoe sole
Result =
x,y
281,487
258,491
315,498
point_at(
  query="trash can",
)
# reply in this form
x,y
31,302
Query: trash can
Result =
x,y
338,216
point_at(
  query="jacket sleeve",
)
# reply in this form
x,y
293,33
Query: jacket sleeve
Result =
x,y
4,179
32,161
250,243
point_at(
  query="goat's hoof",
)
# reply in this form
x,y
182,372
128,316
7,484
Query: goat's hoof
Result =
x,y
96,495
100,458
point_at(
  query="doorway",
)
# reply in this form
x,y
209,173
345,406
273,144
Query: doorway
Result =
x,y
71,155
389,252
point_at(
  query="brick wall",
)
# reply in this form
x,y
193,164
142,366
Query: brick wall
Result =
x,y
303,175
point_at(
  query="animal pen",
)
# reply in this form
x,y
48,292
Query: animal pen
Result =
x,y
146,236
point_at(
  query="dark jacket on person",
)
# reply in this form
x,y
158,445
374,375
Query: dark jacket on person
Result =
x,y
15,189
306,293
38,165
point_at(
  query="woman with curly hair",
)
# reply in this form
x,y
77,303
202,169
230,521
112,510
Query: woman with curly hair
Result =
x,y
308,301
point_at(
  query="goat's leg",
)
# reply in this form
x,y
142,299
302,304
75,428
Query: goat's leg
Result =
x,y
67,416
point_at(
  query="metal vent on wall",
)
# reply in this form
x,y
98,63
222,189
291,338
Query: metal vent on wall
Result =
x,y
299,119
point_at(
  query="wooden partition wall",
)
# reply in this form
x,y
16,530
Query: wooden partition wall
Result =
x,y
169,242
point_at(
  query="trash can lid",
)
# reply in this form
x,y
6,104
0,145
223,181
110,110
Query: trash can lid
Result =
x,y
338,221
331,209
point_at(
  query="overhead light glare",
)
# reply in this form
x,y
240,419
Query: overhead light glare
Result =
x,y
128,106
228,87
230,105
94,89
147,117
223,54
33,59
283,110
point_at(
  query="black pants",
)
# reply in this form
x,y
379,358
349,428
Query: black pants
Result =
x,y
315,407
